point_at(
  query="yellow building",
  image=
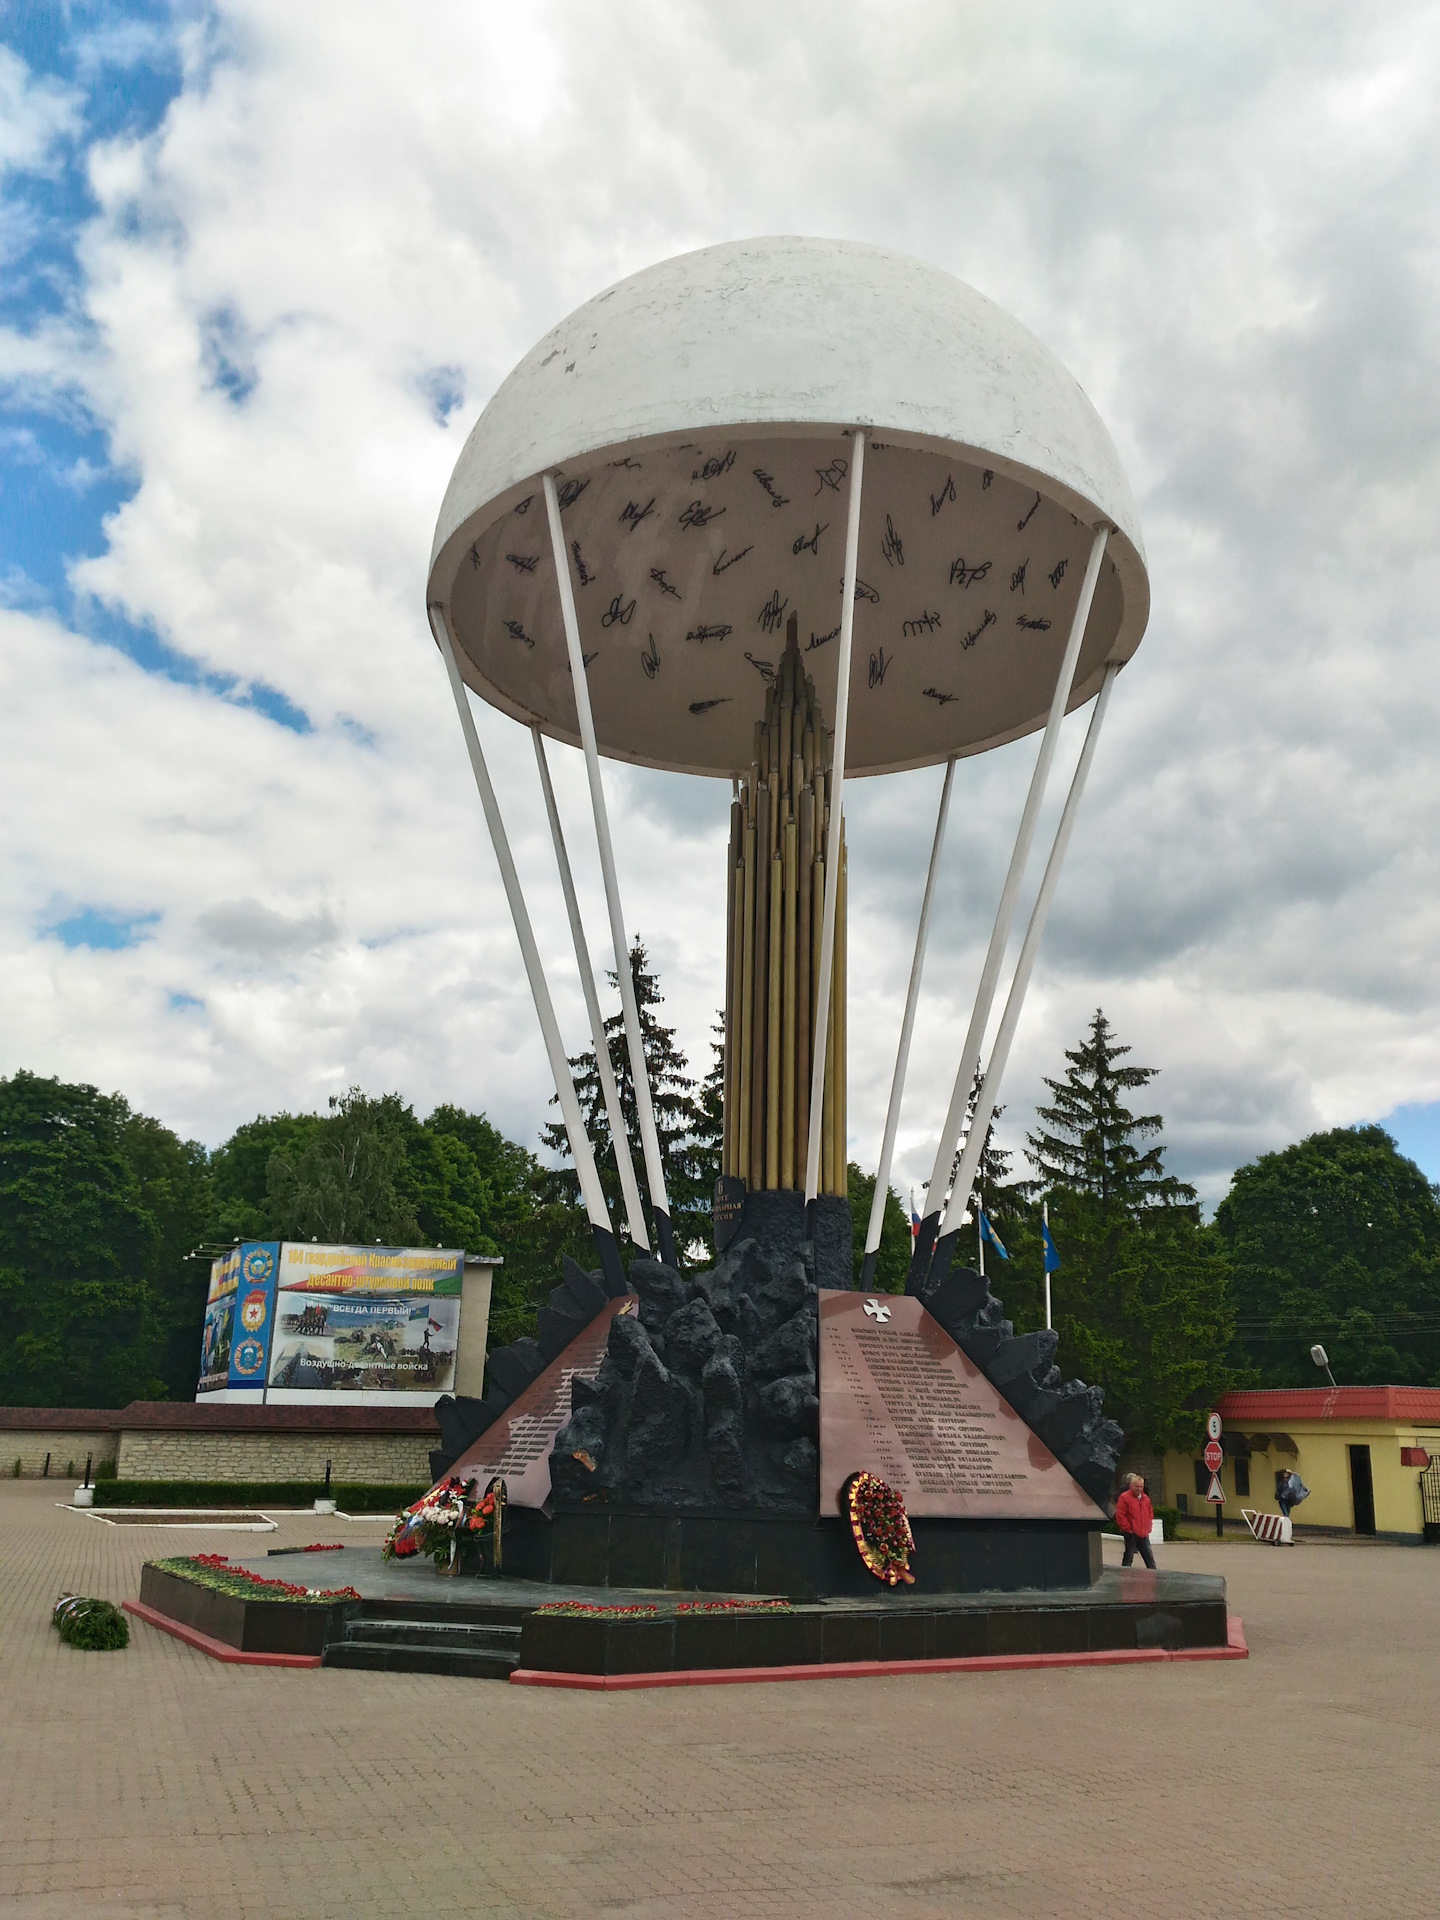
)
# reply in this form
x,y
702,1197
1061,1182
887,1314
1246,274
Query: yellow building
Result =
x,y
1361,1451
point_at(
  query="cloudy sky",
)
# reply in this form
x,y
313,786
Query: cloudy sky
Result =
x,y
263,264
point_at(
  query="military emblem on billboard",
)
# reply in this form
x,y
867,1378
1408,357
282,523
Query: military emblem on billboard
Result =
x,y
258,1264
248,1359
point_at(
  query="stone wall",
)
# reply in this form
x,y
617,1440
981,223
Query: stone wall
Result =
x,y
30,1445
384,1459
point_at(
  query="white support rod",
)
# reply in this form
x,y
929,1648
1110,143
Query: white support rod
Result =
x,y
591,1191
832,843
1045,1222
1025,966
907,1028
949,1141
619,1137
645,1111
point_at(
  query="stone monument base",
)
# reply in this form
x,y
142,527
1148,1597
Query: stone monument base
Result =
x,y
800,1558
409,1619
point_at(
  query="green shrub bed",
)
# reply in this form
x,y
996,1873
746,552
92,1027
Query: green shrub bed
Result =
x,y
349,1496
94,1626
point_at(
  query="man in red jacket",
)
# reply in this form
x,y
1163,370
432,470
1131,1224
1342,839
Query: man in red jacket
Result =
x,y
1135,1517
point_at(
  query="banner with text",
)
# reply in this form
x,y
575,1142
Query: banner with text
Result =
x,y
366,1320
215,1340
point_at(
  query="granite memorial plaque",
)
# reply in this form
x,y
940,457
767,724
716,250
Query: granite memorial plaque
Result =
x,y
727,1210
900,1400
518,1444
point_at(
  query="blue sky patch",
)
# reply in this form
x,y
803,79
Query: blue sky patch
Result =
x,y
1416,1131
102,928
120,66
444,388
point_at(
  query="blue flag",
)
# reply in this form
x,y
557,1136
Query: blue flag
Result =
x,y
1052,1258
988,1234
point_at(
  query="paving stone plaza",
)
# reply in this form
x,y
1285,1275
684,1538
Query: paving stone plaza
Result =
x,y
157,1784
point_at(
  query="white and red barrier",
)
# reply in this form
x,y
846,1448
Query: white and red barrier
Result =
x,y
1274,1528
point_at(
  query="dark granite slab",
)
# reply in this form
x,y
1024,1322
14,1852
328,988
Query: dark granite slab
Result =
x,y
1125,1609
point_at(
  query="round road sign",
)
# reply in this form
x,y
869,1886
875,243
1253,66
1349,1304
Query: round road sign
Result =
x,y
1212,1427
1214,1455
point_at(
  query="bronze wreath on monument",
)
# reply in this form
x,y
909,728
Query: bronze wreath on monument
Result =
x,y
880,1527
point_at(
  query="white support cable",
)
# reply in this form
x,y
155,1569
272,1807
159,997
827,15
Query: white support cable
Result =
x,y
645,1111
907,1028
581,1151
832,843
949,1141
1025,966
619,1136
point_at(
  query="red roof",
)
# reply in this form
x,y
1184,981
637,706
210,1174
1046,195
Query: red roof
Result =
x,y
161,1416
60,1419
1408,1405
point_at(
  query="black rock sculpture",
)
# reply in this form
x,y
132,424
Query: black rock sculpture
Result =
x,y
707,1399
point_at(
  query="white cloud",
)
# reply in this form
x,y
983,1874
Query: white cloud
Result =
x,y
1224,222
34,116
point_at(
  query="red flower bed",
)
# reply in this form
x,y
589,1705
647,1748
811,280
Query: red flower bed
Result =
x,y
213,1570
734,1606
585,1610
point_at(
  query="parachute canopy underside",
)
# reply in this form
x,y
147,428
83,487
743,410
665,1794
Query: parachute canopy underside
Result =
x,y
698,419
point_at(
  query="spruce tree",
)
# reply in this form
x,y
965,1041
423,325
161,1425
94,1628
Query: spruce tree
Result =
x,y
708,1146
1088,1142
680,1123
1003,1198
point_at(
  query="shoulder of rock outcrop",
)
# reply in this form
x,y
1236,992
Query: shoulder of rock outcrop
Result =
x,y
509,1370
1068,1416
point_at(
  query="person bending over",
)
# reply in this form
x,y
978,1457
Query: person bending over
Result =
x,y
1135,1517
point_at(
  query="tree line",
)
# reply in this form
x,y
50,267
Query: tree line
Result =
x,y
1336,1239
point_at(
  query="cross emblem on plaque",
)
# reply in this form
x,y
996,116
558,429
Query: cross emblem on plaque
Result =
x,y
876,1311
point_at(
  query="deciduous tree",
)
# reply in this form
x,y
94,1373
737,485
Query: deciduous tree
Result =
x,y
1336,1240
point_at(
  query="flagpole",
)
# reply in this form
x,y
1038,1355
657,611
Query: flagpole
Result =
x,y
979,1229
1045,1259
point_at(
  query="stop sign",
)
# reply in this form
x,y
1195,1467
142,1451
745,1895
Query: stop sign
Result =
x,y
1214,1455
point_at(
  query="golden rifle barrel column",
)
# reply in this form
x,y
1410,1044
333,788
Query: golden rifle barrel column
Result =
x,y
773,933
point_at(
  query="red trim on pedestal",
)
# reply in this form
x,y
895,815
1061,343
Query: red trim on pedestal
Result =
x,y
217,1649
1235,1648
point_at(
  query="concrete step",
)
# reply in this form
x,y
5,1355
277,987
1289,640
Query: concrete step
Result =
x,y
441,1612
478,1636
391,1656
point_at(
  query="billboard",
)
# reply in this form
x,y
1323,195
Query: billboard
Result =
x,y
216,1339
365,1321
254,1314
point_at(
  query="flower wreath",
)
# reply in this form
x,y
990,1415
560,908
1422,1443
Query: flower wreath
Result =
x,y
881,1528
438,1522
